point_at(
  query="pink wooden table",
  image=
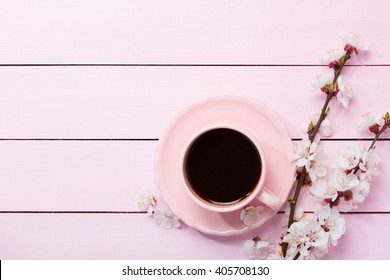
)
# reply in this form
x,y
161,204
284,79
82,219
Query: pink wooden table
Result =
x,y
86,88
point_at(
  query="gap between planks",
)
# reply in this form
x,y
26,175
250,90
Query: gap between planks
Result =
x,y
143,212
157,139
179,65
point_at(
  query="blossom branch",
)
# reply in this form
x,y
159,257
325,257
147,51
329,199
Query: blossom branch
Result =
x,y
331,90
382,130
329,97
312,235
297,256
377,135
323,115
308,236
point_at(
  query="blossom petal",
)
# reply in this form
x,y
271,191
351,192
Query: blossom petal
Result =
x,y
355,40
259,249
166,219
301,162
250,215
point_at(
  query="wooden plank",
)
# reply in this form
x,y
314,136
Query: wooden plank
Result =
x,y
138,102
107,175
173,32
74,175
135,236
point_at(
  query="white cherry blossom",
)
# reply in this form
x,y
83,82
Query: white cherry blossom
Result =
x,y
349,157
325,129
259,249
332,55
317,167
360,192
346,205
322,189
343,182
296,235
317,238
322,79
166,219
250,215
356,41
304,152
146,201
370,164
305,236
331,221
345,92
370,120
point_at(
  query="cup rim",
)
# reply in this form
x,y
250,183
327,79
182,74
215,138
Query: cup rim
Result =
x,y
229,207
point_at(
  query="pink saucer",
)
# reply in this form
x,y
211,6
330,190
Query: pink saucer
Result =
x,y
236,110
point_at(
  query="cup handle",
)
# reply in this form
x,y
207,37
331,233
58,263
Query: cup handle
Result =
x,y
269,199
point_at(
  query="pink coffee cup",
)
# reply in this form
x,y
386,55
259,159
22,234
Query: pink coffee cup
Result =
x,y
200,194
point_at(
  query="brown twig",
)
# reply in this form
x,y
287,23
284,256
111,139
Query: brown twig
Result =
x,y
377,135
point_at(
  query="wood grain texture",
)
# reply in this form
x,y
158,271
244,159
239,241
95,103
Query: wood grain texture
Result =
x,y
139,102
96,82
107,175
177,32
136,236
75,176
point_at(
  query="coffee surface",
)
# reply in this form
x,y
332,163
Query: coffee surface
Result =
x,y
222,166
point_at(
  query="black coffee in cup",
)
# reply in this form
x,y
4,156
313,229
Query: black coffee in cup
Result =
x,y
222,166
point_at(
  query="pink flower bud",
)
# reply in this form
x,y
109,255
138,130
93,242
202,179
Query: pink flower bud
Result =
x,y
350,49
348,195
374,128
335,64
